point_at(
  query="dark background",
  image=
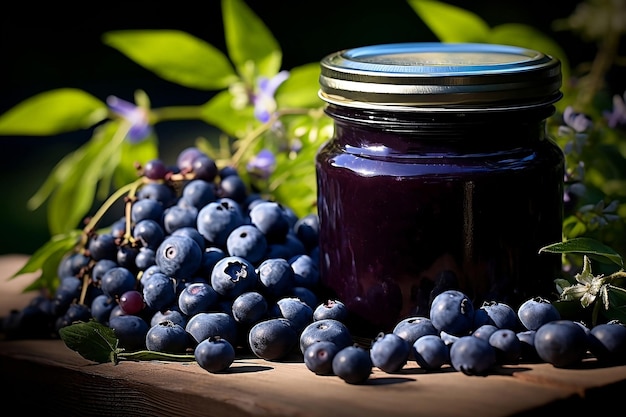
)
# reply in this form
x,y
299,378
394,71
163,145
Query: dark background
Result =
x,y
57,46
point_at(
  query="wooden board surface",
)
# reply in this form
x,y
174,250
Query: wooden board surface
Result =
x,y
45,375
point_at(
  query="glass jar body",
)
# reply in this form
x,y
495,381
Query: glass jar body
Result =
x,y
412,204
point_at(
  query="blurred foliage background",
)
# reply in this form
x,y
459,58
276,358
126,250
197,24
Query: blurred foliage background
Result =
x,y
67,51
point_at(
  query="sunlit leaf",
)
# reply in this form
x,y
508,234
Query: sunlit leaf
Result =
x,y
74,197
248,39
175,56
219,112
300,89
46,260
57,244
451,23
585,246
53,112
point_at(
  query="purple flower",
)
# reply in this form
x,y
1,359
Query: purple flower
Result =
x,y
263,100
138,118
262,165
617,116
577,121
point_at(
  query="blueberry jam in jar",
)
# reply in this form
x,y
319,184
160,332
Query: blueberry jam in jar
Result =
x,y
440,175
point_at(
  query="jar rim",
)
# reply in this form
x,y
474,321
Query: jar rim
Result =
x,y
435,76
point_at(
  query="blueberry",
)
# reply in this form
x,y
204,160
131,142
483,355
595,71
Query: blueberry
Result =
x,y
178,256
197,297
101,307
72,264
529,353
233,187
147,209
295,310
116,281
199,193
306,295
318,357
430,352
215,354
485,331
159,291
507,346
272,339
248,242
331,309
67,292
217,219
210,256
192,232
306,271
126,256
145,258
204,325
501,315
353,364
389,352
168,337
232,276
100,267
160,192
175,316
204,167
452,312
269,218
178,216
185,158
249,308
610,345
535,312
328,330
276,277
414,327
472,356
130,331
563,343
307,230
102,246
149,233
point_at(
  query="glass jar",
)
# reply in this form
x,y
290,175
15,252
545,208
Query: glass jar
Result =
x,y
440,175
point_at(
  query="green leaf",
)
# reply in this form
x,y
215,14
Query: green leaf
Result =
x,y
175,56
529,37
248,39
450,23
617,304
220,113
92,340
46,260
300,89
53,112
585,246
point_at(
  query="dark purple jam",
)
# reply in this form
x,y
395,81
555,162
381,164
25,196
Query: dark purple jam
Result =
x,y
414,203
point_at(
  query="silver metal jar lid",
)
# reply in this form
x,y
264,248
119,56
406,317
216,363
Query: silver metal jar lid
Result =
x,y
434,76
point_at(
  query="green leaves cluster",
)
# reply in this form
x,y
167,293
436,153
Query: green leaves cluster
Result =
x,y
597,298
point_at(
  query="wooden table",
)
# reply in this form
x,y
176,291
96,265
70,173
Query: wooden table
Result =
x,y
46,376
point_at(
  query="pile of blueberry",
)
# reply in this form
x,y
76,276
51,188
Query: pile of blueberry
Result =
x,y
198,264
